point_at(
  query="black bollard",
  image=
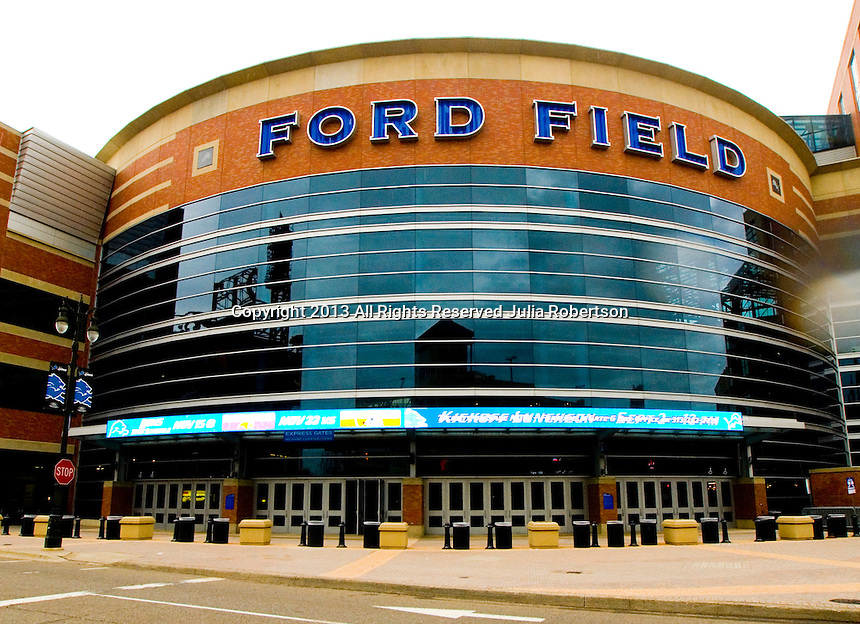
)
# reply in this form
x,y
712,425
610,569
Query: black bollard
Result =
x,y
633,541
77,533
447,545
490,536
209,524
7,520
725,525
855,524
102,527
304,539
594,543
341,541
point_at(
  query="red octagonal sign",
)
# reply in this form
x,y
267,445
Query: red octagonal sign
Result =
x,y
64,471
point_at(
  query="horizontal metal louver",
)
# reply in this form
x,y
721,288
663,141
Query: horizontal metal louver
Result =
x,y
835,155
59,194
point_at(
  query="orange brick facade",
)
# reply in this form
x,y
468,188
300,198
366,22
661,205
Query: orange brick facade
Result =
x,y
33,438
507,138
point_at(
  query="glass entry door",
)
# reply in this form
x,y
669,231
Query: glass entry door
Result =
x,y
332,501
167,500
674,497
517,501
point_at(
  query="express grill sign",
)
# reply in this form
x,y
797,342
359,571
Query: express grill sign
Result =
x,y
460,118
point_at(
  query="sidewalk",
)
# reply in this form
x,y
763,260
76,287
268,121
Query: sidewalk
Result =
x,y
785,579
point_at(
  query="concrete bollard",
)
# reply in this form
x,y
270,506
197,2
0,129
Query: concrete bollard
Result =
x,y
136,527
255,532
543,534
681,532
393,535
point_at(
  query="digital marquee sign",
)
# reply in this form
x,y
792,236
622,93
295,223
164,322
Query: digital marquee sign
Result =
x,y
428,418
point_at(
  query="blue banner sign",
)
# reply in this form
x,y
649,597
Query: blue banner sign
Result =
x,y
428,418
83,391
55,392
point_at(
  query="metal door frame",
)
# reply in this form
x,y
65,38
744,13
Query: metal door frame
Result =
x,y
712,503
148,501
358,500
531,489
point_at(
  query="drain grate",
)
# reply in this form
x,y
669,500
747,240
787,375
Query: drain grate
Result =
x,y
846,600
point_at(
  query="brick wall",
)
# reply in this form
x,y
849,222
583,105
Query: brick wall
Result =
x,y
830,487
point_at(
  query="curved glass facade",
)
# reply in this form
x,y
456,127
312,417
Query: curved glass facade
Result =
x,y
682,301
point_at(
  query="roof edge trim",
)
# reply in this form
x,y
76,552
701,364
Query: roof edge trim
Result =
x,y
464,44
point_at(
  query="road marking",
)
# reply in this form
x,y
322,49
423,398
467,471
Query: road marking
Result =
x,y
144,586
454,614
205,579
49,597
273,616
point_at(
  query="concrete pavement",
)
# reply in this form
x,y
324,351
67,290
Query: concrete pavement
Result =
x,y
817,580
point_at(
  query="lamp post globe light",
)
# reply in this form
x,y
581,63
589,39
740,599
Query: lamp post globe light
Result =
x,y
81,320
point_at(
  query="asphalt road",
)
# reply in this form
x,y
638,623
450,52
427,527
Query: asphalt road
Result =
x,y
42,592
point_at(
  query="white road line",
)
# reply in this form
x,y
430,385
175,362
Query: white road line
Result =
x,y
273,616
205,579
18,601
144,586
456,614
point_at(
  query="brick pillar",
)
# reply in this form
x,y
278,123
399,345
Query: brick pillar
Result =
x,y
237,503
750,496
595,489
413,506
117,498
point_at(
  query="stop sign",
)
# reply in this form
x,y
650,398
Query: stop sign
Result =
x,y
64,471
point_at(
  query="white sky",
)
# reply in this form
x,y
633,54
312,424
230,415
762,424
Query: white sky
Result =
x,y
83,70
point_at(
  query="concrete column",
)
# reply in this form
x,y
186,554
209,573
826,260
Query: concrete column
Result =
x,y
750,501
237,503
117,498
413,506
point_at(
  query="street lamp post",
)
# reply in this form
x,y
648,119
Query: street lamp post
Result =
x,y
84,328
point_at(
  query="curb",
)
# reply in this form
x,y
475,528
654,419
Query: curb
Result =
x,y
745,611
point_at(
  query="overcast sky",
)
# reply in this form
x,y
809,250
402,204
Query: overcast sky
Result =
x,y
83,70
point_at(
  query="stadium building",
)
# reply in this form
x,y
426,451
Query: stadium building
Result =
x,y
451,280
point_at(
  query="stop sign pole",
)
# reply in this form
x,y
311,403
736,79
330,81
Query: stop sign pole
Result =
x,y
64,470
